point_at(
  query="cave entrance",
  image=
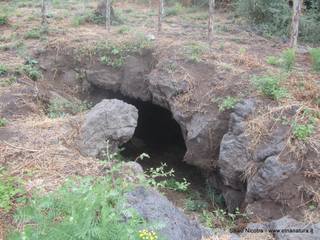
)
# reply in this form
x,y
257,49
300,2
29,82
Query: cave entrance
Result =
x,y
160,136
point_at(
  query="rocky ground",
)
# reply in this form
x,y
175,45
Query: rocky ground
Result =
x,y
248,153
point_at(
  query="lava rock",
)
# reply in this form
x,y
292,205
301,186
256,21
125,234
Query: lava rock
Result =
x,y
286,223
271,174
155,208
110,120
104,78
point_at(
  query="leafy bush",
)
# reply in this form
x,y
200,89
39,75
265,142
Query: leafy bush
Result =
x,y
315,58
3,69
270,86
3,20
3,122
273,17
228,103
194,51
114,54
288,59
8,191
60,107
174,10
84,208
304,126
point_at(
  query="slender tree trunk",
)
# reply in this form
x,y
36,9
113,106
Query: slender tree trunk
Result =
x,y
295,23
108,15
210,21
160,15
44,12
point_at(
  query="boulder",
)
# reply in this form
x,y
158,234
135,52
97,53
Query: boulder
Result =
x,y
110,120
157,209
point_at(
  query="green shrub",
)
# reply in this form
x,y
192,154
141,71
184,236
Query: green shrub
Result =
x,y
8,191
288,59
315,58
178,186
34,33
174,10
304,126
194,51
195,205
84,208
272,60
3,122
32,71
228,103
114,54
3,69
3,20
270,86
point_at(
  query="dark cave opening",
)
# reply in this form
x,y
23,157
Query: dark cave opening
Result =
x,y
159,135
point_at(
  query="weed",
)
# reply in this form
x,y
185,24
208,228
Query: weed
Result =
x,y
34,33
155,174
60,107
315,58
8,191
3,20
3,122
114,54
8,81
221,218
270,86
32,71
195,205
194,51
304,126
83,208
228,103
124,30
3,69
272,60
175,185
174,10
288,58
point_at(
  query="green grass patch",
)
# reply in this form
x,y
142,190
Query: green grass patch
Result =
x,y
3,122
270,86
3,69
193,51
315,58
60,107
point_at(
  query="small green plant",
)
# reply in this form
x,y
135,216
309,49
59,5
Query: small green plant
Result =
x,y
34,33
270,86
83,208
124,30
60,107
32,71
3,20
8,81
155,176
221,218
228,103
175,185
194,51
304,126
272,60
3,69
114,54
288,59
315,58
195,205
174,10
3,122
8,191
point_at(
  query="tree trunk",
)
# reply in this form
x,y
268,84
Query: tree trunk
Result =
x,y
108,15
295,23
210,21
160,15
43,13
